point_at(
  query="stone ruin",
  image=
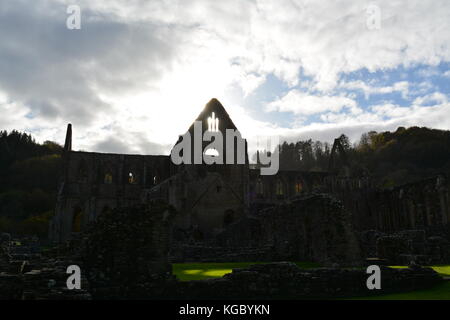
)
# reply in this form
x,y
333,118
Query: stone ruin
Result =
x,y
122,255
125,255
312,228
28,275
127,250
407,223
404,247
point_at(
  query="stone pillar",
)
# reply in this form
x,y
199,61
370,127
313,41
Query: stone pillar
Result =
x,y
378,217
412,214
443,205
428,213
420,215
447,205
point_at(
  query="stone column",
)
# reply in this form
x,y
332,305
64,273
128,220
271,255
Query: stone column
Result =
x,y
443,207
412,214
447,205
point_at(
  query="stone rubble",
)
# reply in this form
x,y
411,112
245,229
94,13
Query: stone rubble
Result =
x,y
125,255
27,275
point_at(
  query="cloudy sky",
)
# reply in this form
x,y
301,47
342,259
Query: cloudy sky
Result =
x,y
138,72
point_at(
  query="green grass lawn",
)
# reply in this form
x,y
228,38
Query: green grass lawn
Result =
x,y
442,270
200,271
439,292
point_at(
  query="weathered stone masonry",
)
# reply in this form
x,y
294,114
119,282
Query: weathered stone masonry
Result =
x,y
210,199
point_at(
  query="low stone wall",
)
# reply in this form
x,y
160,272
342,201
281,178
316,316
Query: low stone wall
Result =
x,y
210,253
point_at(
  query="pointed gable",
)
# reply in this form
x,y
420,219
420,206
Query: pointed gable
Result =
x,y
214,110
214,106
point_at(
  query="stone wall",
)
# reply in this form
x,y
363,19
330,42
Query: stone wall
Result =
x,y
419,205
93,183
141,272
27,275
204,252
127,245
404,247
122,251
312,228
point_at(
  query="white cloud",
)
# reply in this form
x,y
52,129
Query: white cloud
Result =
x,y
305,104
390,110
379,118
401,86
145,69
324,38
249,82
433,98
428,72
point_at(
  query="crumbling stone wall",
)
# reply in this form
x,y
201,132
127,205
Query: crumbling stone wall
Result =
x,y
93,183
314,228
122,255
419,205
404,247
128,245
27,275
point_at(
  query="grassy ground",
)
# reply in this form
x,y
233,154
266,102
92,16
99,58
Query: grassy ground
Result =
x,y
199,271
439,292
442,270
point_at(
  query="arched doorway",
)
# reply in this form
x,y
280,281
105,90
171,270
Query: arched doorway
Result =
x,y
77,219
132,177
298,186
105,210
279,188
228,217
82,172
259,188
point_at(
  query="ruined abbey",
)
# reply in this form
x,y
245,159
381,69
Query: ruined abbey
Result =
x,y
326,216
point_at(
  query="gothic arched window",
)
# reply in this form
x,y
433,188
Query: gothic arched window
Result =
x,y
77,219
108,178
106,209
213,123
228,218
82,171
132,178
151,175
298,187
279,188
107,173
259,187
211,152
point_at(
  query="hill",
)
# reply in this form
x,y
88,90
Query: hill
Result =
x,y
29,175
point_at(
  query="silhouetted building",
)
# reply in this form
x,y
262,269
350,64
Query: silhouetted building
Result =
x,y
210,197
